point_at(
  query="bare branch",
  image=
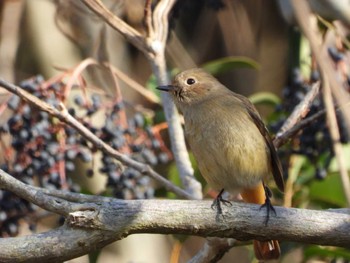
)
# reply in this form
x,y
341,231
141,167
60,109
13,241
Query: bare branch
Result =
x,y
33,195
299,112
149,95
335,135
148,18
131,34
41,197
160,20
213,250
54,246
284,137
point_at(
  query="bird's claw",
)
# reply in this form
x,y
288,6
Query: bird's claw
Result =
x,y
267,204
217,202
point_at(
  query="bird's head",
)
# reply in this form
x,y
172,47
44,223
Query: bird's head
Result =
x,y
192,86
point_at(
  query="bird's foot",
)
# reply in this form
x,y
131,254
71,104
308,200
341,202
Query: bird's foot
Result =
x,y
217,202
267,204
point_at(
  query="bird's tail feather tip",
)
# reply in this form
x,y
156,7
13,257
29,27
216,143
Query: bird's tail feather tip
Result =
x,y
267,250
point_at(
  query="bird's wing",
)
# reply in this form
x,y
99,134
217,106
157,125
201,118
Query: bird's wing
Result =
x,y
275,162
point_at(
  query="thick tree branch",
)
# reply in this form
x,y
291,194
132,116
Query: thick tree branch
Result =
x,y
59,203
57,245
96,225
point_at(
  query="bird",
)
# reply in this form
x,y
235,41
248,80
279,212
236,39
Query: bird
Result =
x,y
231,144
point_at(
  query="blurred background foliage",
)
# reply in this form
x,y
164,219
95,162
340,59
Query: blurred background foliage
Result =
x,y
253,47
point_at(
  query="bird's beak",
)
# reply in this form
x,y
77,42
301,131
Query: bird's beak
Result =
x,y
166,88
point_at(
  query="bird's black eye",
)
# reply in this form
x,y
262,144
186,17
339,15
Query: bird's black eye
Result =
x,y
190,81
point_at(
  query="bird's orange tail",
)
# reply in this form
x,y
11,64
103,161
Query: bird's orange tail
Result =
x,y
264,250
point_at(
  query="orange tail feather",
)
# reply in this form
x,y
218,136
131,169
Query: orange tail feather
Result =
x,y
264,250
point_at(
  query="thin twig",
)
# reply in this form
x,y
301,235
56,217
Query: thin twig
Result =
x,y
282,138
335,135
131,34
148,19
301,110
213,250
149,95
161,21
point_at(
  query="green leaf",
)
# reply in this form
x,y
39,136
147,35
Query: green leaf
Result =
x,y
296,170
317,251
333,167
222,65
151,85
174,177
305,58
266,98
329,190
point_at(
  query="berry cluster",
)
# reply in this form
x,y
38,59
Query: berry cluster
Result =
x,y
314,141
40,150
138,139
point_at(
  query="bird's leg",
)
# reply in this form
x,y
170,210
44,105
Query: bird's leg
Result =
x,y
218,200
267,204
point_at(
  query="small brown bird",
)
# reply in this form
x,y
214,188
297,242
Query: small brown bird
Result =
x,y
229,141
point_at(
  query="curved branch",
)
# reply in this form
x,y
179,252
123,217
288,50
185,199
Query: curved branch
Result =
x,y
213,249
57,202
131,34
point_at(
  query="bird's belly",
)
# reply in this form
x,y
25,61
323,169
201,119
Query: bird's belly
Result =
x,y
233,175
229,160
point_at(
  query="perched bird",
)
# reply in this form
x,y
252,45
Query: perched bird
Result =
x,y
229,141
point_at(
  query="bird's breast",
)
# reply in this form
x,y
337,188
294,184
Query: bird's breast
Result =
x,y
228,147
